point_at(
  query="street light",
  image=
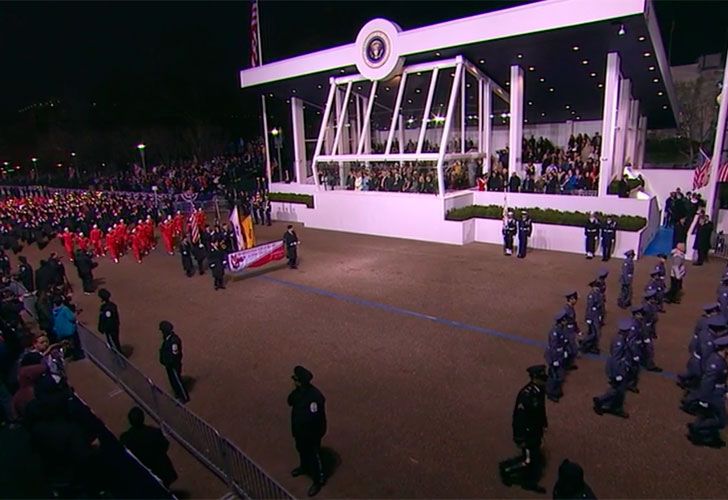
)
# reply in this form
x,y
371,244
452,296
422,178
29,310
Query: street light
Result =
x,y
35,167
141,147
278,142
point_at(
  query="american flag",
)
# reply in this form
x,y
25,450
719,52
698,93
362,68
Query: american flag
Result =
x,y
702,172
254,35
723,173
194,229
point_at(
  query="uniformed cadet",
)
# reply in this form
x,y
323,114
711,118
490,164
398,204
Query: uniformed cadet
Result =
x,y
267,209
217,266
694,370
510,227
633,339
529,424
704,348
199,251
723,296
572,330
525,227
608,235
590,342
556,356
308,425
617,369
170,355
660,266
705,431
602,281
185,250
625,280
290,241
591,233
649,332
109,320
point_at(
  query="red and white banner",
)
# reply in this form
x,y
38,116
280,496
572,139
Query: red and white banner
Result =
x,y
256,256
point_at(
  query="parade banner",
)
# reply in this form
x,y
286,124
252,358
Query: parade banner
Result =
x,y
256,256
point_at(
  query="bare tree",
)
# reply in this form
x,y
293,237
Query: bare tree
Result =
x,y
698,112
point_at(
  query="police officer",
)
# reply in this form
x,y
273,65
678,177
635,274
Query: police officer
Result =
x,y
705,431
591,233
525,227
633,339
704,348
185,250
660,266
649,332
170,356
608,235
510,227
290,241
217,266
693,370
625,280
109,320
308,425
617,368
199,252
656,285
572,330
529,425
590,342
267,210
602,282
556,356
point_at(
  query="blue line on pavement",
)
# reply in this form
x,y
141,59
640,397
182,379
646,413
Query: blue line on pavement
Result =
x,y
441,321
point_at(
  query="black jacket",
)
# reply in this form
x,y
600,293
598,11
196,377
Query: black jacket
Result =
x,y
529,416
170,353
108,318
150,446
308,412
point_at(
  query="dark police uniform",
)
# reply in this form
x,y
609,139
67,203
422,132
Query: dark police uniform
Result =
x,y
290,241
170,356
617,369
510,227
590,342
525,227
109,320
529,423
608,234
308,426
25,275
705,431
217,264
556,356
591,233
185,250
625,280
694,367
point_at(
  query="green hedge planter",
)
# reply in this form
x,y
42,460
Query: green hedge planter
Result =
x,y
303,199
548,216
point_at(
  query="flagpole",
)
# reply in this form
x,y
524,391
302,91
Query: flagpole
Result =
x,y
263,104
718,149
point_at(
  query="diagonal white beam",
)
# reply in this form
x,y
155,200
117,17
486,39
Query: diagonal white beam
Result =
x,y
395,112
428,107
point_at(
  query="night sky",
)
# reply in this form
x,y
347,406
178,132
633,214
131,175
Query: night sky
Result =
x,y
147,51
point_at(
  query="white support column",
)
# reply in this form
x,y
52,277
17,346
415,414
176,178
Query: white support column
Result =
x,y
448,125
299,140
366,134
630,152
400,134
620,138
487,124
322,133
480,115
609,121
268,173
395,113
641,137
463,109
428,108
718,147
357,133
341,109
515,130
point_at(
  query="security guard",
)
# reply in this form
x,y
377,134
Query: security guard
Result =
x,y
109,320
510,227
590,342
308,425
608,235
217,265
705,431
556,356
185,250
529,424
617,369
525,228
290,241
591,233
170,355
625,280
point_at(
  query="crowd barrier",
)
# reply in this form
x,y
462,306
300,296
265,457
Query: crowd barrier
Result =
x,y
242,475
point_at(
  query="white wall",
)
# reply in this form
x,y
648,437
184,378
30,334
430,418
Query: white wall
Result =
x,y
282,187
661,182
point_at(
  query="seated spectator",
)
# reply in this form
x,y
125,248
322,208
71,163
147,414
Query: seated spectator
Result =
x,y
149,445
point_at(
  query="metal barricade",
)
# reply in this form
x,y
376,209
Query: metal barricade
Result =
x,y
202,440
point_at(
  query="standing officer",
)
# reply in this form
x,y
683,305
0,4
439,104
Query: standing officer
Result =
x,y
660,266
217,266
525,227
170,355
633,340
649,332
617,369
199,251
602,282
267,210
185,250
529,424
556,356
572,330
510,227
590,343
657,285
308,425
591,233
694,371
290,241
608,234
109,320
705,431
625,280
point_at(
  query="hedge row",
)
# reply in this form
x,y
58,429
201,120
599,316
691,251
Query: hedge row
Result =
x,y
303,199
544,216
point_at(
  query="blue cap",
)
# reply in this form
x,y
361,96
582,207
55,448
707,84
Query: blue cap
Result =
x,y
656,271
718,322
650,293
624,325
603,273
571,294
636,309
713,306
629,253
721,342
